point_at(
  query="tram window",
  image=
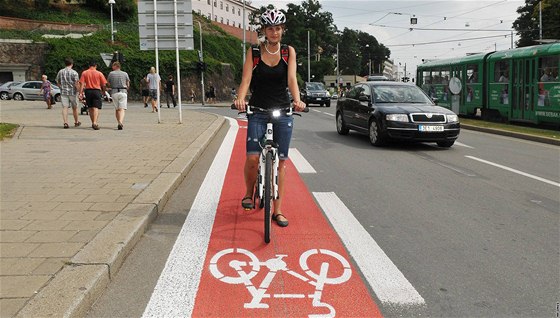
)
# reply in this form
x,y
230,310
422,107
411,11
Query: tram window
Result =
x,y
427,76
445,77
548,68
472,73
501,71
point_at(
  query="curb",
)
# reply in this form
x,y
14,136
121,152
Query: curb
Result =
x,y
495,131
74,289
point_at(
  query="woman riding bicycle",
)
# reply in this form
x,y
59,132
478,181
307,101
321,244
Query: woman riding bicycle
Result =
x,y
268,82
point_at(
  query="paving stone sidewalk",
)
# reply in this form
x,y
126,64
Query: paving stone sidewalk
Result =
x,y
74,201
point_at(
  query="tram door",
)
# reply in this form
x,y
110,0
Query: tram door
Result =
x,y
456,101
522,106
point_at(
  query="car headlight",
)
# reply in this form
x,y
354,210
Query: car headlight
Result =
x,y
452,118
397,117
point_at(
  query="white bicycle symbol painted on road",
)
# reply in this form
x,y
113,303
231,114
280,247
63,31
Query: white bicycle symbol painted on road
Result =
x,y
318,280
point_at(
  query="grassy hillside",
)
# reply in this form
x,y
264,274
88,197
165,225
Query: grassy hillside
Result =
x,y
218,46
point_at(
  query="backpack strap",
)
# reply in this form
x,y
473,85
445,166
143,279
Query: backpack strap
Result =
x,y
256,55
285,53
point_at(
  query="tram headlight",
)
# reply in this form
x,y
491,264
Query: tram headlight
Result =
x,y
397,117
452,118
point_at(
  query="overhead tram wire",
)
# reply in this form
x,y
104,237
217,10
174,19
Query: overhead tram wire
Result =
x,y
437,42
446,18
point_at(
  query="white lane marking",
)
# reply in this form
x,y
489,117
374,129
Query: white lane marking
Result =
x,y
175,291
388,283
322,112
302,165
463,145
515,171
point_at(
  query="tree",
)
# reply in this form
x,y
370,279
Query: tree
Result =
x,y
527,24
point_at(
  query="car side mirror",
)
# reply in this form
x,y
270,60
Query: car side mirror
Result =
x,y
435,100
364,98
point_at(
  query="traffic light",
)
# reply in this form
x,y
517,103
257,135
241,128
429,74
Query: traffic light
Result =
x,y
201,66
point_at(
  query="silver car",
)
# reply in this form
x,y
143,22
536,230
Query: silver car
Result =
x,y
31,90
5,88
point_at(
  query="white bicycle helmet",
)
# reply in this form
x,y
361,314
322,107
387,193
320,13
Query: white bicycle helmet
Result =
x,y
273,17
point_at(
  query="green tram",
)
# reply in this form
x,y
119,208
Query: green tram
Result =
x,y
514,85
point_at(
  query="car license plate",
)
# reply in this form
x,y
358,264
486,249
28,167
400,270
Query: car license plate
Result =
x,y
318,98
428,128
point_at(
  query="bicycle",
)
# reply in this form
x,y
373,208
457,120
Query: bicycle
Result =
x,y
266,186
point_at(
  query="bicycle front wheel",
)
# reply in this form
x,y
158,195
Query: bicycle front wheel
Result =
x,y
267,196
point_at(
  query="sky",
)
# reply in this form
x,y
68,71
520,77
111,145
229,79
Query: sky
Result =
x,y
478,26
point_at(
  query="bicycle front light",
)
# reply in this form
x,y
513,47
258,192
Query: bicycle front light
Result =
x,y
276,113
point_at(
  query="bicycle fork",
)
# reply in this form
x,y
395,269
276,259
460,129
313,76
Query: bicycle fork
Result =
x,y
262,164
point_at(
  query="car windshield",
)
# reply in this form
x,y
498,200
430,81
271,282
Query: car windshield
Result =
x,y
315,86
400,94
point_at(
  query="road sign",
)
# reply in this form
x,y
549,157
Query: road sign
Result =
x,y
107,57
165,15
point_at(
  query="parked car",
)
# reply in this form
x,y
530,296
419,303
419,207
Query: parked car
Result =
x,y
387,110
4,90
377,78
315,93
30,90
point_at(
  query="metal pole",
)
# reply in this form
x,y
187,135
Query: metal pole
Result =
x,y
244,40
112,32
540,20
178,82
308,58
201,60
337,70
157,59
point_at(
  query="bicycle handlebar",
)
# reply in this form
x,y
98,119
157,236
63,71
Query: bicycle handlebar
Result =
x,y
290,109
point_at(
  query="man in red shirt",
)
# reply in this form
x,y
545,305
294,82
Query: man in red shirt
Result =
x,y
93,84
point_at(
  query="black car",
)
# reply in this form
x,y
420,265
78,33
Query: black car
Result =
x,y
393,110
315,93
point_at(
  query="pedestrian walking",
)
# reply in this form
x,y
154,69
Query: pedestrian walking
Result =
x,y
211,95
119,82
145,89
46,90
170,91
68,80
154,85
92,85
193,95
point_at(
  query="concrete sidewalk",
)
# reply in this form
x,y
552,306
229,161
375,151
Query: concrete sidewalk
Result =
x,y
75,201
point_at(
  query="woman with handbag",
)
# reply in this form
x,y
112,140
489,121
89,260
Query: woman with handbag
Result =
x,y
46,91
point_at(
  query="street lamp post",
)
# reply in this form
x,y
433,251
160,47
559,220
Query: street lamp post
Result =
x,y
369,59
111,3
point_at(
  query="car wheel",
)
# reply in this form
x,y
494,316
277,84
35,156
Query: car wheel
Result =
x,y
4,96
57,98
328,104
446,143
18,96
340,125
375,136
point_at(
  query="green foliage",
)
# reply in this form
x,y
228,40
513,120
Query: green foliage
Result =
x,y
527,24
308,18
217,47
122,9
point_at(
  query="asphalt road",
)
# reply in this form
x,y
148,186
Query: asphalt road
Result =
x,y
473,228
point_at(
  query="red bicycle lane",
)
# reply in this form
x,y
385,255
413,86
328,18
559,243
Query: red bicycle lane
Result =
x,y
304,270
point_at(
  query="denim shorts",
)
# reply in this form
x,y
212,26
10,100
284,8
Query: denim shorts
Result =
x,y
282,133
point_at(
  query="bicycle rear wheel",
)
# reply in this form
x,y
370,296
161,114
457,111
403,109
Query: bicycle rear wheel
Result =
x,y
267,196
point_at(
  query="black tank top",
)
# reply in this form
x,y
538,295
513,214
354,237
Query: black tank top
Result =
x,y
269,86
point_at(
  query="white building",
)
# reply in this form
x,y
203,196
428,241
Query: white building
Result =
x,y
228,12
